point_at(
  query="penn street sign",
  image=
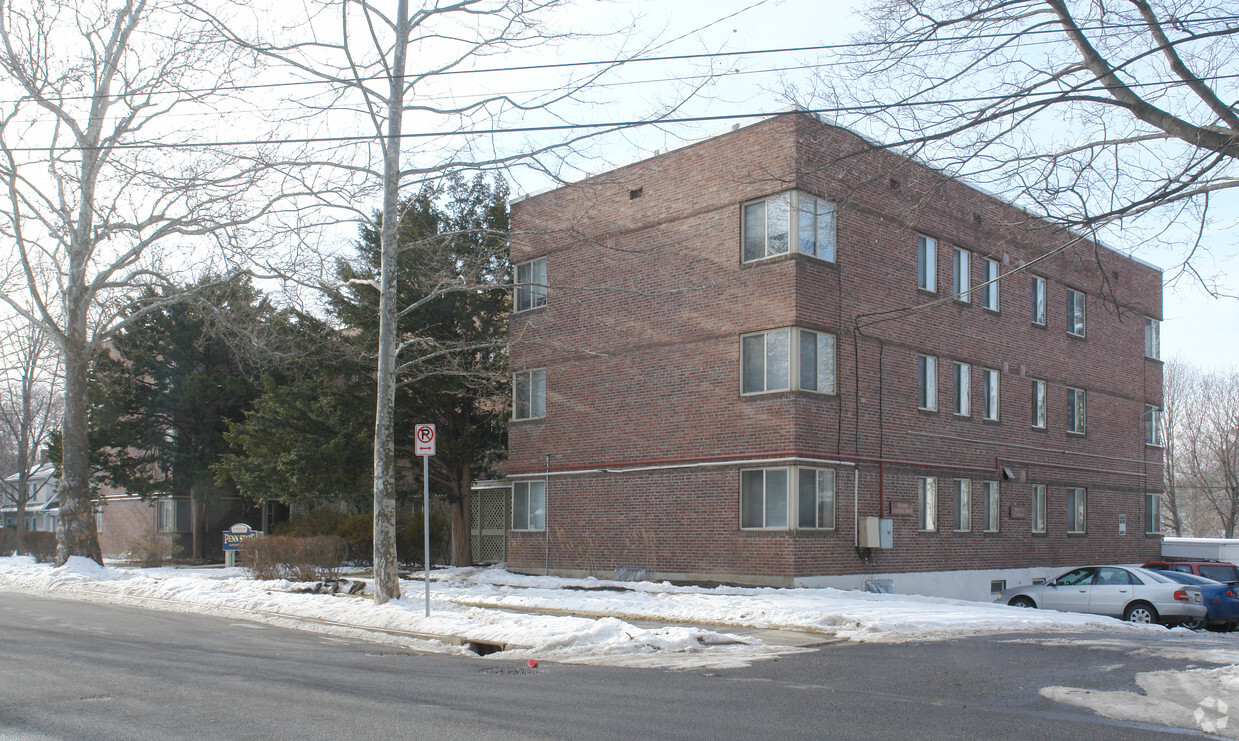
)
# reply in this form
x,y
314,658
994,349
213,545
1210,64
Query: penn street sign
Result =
x,y
424,440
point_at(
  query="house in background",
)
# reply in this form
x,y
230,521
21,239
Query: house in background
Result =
x,y
43,504
124,519
743,359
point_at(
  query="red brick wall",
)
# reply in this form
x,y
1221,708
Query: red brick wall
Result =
x,y
640,341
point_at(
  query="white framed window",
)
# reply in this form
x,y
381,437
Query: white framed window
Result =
x,y
962,378
926,382
1038,404
1075,510
1075,313
1152,338
769,229
766,501
963,279
1038,300
763,499
926,263
529,505
989,391
530,285
1152,513
1075,411
172,515
963,505
816,502
989,507
1037,516
815,230
989,291
785,359
1152,425
529,394
927,504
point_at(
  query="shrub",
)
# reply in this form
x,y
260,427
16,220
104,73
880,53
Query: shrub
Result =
x,y
40,544
314,558
152,549
410,540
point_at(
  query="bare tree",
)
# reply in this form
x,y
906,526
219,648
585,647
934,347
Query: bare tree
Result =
x,y
1179,381
387,65
1086,113
1207,450
107,191
29,408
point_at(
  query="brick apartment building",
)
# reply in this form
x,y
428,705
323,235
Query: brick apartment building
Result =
x,y
726,354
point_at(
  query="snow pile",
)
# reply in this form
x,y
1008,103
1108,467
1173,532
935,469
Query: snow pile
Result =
x,y
1202,699
550,618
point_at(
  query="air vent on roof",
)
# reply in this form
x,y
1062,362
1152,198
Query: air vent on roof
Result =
x,y
636,193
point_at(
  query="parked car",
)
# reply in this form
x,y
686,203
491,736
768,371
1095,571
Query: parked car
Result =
x,y
1221,600
1134,594
1227,573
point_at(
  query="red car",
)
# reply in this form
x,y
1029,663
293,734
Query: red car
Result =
x,y
1227,573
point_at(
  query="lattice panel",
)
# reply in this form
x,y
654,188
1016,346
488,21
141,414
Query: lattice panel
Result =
x,y
490,549
490,517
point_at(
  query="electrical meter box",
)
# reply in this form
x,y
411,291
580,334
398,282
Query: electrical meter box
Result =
x,y
875,532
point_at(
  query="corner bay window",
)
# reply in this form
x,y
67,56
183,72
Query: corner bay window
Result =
x,y
1152,425
1038,300
1152,513
927,504
770,230
926,263
1037,516
926,382
963,505
765,504
1075,313
1038,404
529,394
529,505
1152,339
989,507
989,291
787,359
989,393
530,285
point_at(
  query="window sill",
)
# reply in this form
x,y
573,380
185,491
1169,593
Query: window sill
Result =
x,y
927,410
1040,534
528,419
1073,433
1076,336
988,310
523,312
1039,325
1042,428
991,420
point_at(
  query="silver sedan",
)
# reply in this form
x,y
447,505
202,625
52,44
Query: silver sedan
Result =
x,y
1134,594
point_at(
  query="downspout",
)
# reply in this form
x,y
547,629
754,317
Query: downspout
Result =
x,y
546,516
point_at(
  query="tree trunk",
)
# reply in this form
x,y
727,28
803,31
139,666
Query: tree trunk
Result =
x,y
462,519
386,565
76,534
21,498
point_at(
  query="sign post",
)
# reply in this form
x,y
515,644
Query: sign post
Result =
x,y
424,445
233,538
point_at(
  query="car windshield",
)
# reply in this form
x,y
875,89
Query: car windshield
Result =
x,y
1219,571
1147,575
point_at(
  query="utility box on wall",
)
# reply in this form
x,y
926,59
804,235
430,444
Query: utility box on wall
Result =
x,y
875,532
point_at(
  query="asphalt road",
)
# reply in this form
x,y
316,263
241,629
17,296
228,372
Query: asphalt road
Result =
x,y
76,670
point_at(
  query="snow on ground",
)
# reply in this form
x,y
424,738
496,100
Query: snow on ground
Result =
x,y
551,618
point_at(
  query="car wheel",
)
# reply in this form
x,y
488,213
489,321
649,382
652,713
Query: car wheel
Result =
x,y
1021,602
1193,623
1140,612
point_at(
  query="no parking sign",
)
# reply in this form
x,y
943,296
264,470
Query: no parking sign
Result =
x,y
424,439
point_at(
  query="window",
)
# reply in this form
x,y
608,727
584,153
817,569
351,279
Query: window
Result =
x,y
531,284
1152,338
989,507
962,278
1038,404
769,361
1038,508
529,393
1075,313
1152,425
816,230
763,499
769,228
989,389
926,382
1075,411
963,505
1152,513
1038,300
817,498
529,505
926,263
172,515
1075,510
989,291
927,504
963,389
